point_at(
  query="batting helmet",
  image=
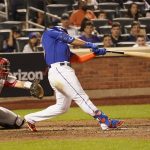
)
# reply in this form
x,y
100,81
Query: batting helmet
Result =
x,y
4,68
60,29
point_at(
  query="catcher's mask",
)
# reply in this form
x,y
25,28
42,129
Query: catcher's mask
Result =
x,y
4,68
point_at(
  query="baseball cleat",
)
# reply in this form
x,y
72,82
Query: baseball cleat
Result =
x,y
115,123
104,126
31,127
107,123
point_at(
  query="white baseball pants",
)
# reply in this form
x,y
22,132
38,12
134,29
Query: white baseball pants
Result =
x,y
67,88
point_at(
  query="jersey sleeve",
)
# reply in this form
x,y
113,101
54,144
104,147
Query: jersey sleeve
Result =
x,y
10,81
52,33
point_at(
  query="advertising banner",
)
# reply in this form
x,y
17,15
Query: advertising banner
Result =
x,y
27,66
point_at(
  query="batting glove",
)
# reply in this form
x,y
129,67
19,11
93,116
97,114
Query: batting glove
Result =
x,y
99,51
90,45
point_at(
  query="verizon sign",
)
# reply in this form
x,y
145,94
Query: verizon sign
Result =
x,y
25,67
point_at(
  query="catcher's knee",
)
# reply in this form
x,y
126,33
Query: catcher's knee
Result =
x,y
19,122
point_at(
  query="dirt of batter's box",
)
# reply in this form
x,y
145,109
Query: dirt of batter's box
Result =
x,y
133,128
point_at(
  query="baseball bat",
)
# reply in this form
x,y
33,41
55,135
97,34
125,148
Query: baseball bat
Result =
x,y
136,54
128,51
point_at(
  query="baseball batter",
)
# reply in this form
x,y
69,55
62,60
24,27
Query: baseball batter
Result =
x,y
63,80
9,119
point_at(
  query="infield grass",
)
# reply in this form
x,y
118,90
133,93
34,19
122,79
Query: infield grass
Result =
x,y
119,111
80,144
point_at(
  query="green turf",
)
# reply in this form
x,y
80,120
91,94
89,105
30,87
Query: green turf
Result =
x,y
119,111
80,144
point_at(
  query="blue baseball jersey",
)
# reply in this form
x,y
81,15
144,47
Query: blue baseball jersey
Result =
x,y
55,44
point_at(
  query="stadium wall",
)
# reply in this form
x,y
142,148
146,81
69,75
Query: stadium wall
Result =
x,y
107,76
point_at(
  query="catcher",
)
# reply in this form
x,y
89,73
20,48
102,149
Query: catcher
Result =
x,y
9,119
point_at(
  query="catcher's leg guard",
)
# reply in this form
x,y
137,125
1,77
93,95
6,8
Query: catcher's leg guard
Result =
x,y
103,120
19,122
17,125
9,119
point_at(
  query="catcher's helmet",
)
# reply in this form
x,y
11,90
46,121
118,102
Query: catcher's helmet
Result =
x,y
4,68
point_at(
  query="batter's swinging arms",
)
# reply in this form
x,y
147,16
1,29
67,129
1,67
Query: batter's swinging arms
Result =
x,y
9,119
63,80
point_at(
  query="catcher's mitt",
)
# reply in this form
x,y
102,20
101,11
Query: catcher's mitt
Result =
x,y
36,89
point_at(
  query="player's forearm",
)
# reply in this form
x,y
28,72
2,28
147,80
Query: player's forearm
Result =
x,y
23,84
78,42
